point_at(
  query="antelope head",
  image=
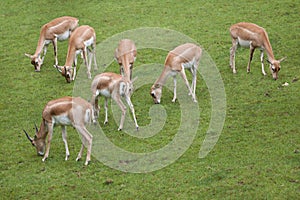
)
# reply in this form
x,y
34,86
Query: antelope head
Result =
x,y
36,61
65,71
155,92
126,87
275,67
37,142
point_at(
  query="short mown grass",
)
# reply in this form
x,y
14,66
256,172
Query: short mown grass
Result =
x,y
257,155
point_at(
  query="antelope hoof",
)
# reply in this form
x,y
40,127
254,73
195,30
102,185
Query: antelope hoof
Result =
x,y
119,129
78,158
106,122
137,128
44,159
86,163
67,157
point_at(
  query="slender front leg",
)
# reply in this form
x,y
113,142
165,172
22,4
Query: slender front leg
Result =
x,y
194,81
84,52
95,59
44,53
64,137
123,109
80,152
50,130
174,92
132,111
232,55
89,62
262,62
74,69
250,57
54,42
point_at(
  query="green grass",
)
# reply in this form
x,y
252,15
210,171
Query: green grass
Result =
x,y
257,155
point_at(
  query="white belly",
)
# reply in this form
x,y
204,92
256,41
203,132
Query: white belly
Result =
x,y
61,120
46,42
64,35
244,43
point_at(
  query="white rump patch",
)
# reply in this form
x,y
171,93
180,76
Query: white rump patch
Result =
x,y
89,42
87,117
188,65
104,92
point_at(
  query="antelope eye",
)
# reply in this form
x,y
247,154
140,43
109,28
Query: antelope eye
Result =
x,y
153,95
273,69
278,69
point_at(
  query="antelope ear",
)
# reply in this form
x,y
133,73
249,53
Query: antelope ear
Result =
x,y
134,79
282,59
59,68
157,86
28,55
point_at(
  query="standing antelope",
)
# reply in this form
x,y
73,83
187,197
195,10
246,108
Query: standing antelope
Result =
x,y
183,56
58,29
252,36
125,55
82,38
111,85
66,111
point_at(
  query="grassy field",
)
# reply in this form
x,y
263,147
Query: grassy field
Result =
x,y
257,155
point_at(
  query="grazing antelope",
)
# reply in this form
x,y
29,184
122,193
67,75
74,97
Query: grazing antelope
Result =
x,y
125,55
111,85
81,39
58,29
183,57
253,36
65,111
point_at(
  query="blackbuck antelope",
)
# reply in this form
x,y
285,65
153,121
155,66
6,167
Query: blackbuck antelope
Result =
x,y
66,111
183,57
81,39
125,55
58,29
111,85
253,36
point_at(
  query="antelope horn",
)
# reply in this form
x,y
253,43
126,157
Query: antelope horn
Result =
x,y
29,138
28,55
282,59
134,79
59,68
36,128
